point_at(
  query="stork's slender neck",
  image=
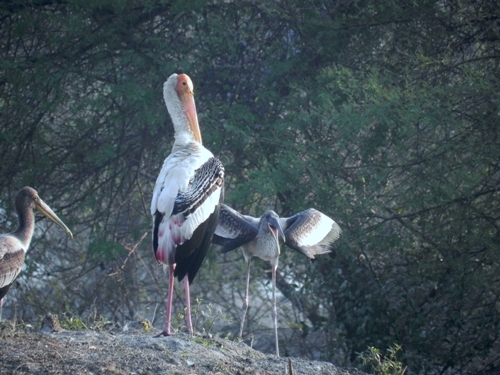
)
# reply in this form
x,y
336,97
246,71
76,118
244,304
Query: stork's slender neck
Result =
x,y
185,148
24,231
183,136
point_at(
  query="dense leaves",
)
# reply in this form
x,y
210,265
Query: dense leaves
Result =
x,y
383,115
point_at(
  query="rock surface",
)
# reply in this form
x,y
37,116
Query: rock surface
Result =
x,y
132,352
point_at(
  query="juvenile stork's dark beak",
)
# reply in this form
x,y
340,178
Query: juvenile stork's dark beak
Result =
x,y
48,213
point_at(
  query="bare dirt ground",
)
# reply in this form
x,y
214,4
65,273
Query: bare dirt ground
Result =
x,y
56,351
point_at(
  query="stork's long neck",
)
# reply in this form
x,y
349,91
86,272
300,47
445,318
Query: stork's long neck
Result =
x,y
183,136
24,231
185,148
182,110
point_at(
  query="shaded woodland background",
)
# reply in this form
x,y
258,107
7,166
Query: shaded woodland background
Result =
x,y
382,114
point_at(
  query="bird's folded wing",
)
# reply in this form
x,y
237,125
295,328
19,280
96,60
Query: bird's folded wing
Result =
x,y
234,229
199,201
10,266
310,232
188,209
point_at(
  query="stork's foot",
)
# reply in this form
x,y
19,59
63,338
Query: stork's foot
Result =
x,y
188,332
163,334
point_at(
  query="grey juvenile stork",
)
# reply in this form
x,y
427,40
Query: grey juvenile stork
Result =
x,y
13,246
309,232
187,195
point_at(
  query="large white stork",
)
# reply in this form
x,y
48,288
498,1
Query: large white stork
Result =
x,y
309,232
13,246
187,195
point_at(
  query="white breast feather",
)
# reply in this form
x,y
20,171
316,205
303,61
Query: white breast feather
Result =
x,y
159,184
176,180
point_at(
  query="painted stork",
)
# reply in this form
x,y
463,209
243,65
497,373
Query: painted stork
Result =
x,y
187,196
13,246
309,232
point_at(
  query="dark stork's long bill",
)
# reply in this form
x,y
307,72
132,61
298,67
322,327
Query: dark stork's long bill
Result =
x,y
187,196
13,246
309,232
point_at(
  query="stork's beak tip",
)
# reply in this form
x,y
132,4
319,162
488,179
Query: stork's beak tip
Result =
x,y
47,212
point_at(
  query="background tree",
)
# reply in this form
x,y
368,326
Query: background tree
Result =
x,y
382,115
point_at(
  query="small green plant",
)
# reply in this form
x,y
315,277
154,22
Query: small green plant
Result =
x,y
206,316
73,323
9,326
178,320
146,325
210,315
383,364
196,310
100,323
204,341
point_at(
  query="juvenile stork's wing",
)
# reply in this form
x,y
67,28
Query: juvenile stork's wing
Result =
x,y
11,262
234,229
310,232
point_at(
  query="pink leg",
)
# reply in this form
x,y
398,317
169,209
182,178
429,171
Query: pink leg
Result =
x,y
245,300
170,294
189,324
275,311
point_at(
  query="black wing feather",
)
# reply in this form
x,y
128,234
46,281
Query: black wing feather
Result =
x,y
190,255
234,230
208,178
190,265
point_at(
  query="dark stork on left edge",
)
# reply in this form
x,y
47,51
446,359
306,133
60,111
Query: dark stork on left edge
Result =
x,y
310,232
13,246
187,196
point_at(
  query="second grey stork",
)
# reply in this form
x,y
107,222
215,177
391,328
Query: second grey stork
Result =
x,y
309,232
187,195
13,246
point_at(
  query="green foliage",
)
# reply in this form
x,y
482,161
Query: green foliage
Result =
x,y
383,365
206,317
103,250
73,324
101,323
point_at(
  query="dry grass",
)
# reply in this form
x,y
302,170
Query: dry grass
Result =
x,y
138,352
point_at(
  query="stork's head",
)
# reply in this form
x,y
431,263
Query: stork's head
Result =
x,y
179,98
271,219
27,199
